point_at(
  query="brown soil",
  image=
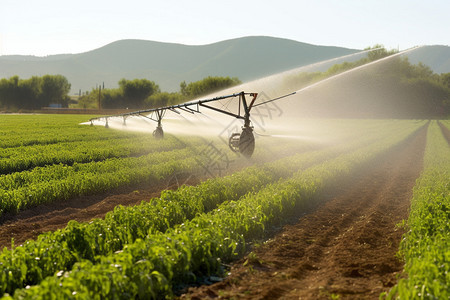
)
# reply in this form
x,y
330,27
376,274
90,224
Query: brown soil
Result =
x,y
345,248
28,224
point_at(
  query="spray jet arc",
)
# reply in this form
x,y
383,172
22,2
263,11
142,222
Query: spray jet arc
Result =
x,y
239,142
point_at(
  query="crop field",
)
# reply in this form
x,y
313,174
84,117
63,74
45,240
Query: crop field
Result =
x,y
340,209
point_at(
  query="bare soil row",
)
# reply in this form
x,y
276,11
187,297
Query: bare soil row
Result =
x,y
346,247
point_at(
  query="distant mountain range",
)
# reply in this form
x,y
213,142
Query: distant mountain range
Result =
x,y
169,64
436,57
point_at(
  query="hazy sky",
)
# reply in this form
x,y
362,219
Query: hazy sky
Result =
x,y
45,27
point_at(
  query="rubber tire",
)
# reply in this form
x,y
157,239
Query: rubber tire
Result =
x,y
247,142
158,133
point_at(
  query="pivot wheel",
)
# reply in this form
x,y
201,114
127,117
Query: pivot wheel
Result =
x,y
233,142
247,142
158,133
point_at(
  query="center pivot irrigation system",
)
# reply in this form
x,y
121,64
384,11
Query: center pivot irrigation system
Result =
x,y
243,142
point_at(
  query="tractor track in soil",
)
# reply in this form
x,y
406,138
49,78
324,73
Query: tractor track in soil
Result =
x,y
344,248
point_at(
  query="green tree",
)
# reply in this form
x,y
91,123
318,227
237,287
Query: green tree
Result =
x,y
54,89
30,93
445,79
112,98
9,92
163,99
89,100
136,91
207,85
35,92
378,53
393,88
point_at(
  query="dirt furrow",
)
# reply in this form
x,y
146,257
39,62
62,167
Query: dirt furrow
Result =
x,y
28,224
346,248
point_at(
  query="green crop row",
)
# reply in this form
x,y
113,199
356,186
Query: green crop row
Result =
x,y
446,122
60,182
126,224
426,245
28,157
61,249
29,130
150,267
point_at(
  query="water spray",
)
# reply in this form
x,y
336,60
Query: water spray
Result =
x,y
240,142
352,70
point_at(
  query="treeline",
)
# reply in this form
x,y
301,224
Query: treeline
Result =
x,y
416,90
394,88
303,79
37,92
143,93
34,93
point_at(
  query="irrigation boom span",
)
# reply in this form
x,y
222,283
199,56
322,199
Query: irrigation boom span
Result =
x,y
243,142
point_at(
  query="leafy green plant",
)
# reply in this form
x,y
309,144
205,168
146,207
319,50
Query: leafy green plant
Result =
x,y
426,245
151,266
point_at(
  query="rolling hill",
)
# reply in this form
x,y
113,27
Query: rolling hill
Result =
x,y
436,57
169,64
